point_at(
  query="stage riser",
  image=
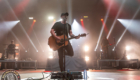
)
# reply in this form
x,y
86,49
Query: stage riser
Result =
x,y
72,63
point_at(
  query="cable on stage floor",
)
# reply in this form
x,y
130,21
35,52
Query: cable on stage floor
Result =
x,y
30,78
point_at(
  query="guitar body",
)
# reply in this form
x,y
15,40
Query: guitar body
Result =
x,y
54,44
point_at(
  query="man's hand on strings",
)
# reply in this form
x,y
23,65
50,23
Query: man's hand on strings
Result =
x,y
78,37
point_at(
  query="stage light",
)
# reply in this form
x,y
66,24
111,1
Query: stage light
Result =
x,y
25,50
34,20
17,53
86,48
127,48
102,19
87,58
17,44
85,16
18,20
16,47
101,50
16,58
36,50
128,57
82,24
50,57
31,18
50,17
50,49
112,49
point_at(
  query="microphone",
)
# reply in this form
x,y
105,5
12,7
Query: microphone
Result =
x,y
64,19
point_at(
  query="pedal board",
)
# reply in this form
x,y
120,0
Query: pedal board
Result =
x,y
65,75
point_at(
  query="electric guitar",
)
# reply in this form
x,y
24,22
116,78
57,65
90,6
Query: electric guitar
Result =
x,y
55,44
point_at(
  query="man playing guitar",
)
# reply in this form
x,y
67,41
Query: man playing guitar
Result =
x,y
58,30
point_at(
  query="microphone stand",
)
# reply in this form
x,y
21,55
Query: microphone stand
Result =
x,y
64,31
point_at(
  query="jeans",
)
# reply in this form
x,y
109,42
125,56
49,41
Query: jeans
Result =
x,y
68,51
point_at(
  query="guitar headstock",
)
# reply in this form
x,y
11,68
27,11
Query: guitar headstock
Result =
x,y
84,34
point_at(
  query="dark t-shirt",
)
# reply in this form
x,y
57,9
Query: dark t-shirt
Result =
x,y
59,28
11,46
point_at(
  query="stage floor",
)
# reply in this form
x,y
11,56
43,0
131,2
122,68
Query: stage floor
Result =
x,y
110,74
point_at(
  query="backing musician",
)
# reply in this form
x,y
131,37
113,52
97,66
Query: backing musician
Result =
x,y
104,46
58,30
11,49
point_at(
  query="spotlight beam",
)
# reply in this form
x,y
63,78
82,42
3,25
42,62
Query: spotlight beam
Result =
x,y
69,8
28,36
20,25
8,25
82,23
127,27
17,39
101,32
116,19
38,40
105,27
18,9
14,34
31,28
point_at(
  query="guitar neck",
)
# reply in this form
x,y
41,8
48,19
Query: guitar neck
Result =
x,y
82,35
70,38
